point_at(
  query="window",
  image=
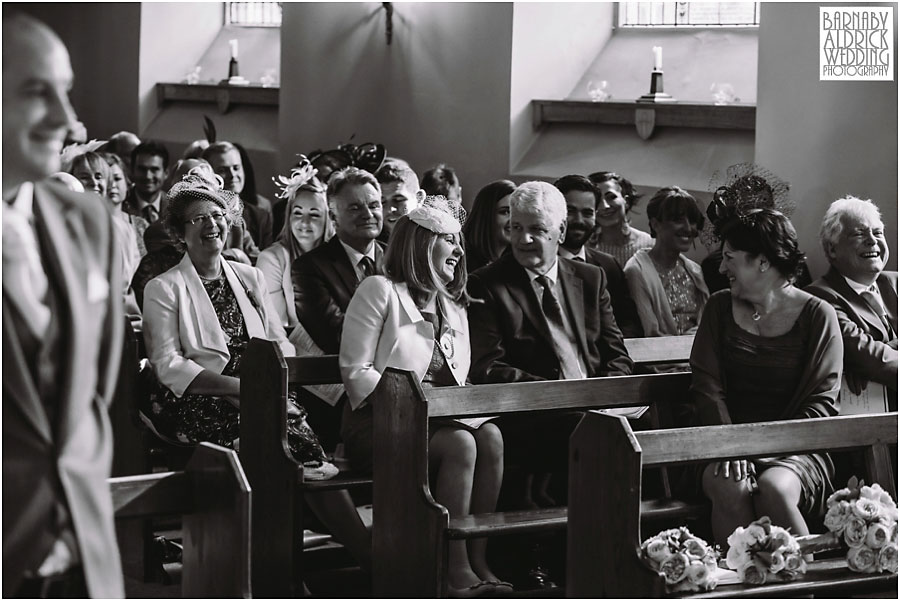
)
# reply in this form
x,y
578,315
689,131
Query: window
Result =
x,y
253,14
688,14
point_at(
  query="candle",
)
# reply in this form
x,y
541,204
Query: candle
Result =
x,y
234,48
657,58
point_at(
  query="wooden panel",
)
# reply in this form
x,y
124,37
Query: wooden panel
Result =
x,y
692,445
314,370
619,391
146,495
665,349
674,114
216,536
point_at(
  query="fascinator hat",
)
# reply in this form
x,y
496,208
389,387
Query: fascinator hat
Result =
x,y
367,156
742,192
439,215
303,174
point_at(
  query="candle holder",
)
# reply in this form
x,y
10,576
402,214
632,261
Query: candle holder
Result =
x,y
656,89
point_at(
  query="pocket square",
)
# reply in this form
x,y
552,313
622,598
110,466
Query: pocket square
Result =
x,y
97,287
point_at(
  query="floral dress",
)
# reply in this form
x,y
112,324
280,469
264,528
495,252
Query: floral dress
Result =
x,y
195,418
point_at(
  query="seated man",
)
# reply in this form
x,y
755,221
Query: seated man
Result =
x,y
861,292
581,220
400,193
326,277
149,167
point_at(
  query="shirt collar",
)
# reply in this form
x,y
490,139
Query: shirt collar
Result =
x,y
551,273
860,288
355,255
155,201
24,201
565,253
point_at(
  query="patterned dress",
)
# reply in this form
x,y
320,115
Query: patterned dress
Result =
x,y
684,298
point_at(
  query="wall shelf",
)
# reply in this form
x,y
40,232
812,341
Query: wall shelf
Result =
x,y
222,95
645,116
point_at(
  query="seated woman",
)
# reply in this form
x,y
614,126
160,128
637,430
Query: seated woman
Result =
x,y
116,191
765,350
486,231
614,235
667,287
415,319
199,317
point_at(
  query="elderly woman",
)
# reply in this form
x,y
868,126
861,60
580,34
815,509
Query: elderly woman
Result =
x,y
765,351
415,319
614,235
486,231
667,287
199,317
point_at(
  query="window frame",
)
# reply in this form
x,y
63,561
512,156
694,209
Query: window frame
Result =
x,y
618,27
227,22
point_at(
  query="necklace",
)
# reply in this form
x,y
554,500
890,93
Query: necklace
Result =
x,y
212,279
756,316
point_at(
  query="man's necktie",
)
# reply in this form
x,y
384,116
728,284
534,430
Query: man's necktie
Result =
x,y
150,213
579,259
565,351
549,302
368,266
873,299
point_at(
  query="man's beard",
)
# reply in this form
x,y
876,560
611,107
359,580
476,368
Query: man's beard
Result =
x,y
576,237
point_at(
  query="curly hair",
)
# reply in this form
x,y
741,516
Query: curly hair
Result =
x,y
766,232
627,188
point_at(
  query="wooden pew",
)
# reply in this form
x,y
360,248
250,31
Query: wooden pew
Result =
x,y
213,496
604,533
663,349
410,530
277,479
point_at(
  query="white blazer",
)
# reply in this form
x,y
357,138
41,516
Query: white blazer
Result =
x,y
182,331
384,328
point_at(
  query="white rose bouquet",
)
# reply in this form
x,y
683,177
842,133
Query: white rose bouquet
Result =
x,y
763,553
865,519
686,561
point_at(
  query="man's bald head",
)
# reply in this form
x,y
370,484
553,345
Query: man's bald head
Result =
x,y
37,76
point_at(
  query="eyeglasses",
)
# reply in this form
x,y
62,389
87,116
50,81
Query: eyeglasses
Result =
x,y
199,219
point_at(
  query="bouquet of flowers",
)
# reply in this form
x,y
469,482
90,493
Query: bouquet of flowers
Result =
x,y
865,518
762,552
686,561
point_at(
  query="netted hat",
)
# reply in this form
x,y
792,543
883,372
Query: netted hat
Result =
x,y
741,193
439,214
200,184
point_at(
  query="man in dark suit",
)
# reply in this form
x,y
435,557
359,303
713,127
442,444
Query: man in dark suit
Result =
x,y
543,317
861,292
62,333
149,168
325,278
581,220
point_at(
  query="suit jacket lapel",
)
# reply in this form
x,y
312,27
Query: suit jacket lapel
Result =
x,y
859,304
573,289
209,332
889,296
520,289
342,266
252,317
17,380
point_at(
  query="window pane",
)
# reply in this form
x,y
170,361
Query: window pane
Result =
x,y
688,14
255,14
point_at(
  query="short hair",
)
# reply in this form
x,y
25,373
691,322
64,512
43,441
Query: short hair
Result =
x,y
540,197
439,180
195,149
833,226
766,232
628,193
576,183
153,149
350,176
408,260
393,171
122,143
114,159
478,230
672,203
218,149
94,161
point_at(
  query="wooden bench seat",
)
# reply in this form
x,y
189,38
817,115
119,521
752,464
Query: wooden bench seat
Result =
x,y
213,497
604,496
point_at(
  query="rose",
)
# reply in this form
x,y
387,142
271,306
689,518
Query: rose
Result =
x,y
845,494
695,548
861,559
794,563
674,568
836,518
657,550
855,532
737,557
756,533
752,573
866,509
776,562
738,538
887,558
783,539
698,573
877,535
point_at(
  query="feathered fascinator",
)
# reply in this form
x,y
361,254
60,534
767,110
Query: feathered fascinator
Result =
x,y
70,152
200,183
439,214
368,157
300,176
740,193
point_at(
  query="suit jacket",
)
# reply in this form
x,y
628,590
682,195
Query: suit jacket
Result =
x,y
384,328
623,306
182,331
132,205
67,461
324,281
511,339
867,351
258,222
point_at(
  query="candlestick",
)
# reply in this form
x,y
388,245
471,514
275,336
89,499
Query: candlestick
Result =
x,y
234,48
657,58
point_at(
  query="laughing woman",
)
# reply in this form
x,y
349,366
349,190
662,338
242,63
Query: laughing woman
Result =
x,y
666,286
415,319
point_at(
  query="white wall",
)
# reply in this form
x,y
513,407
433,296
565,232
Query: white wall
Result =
x,y
553,44
827,138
